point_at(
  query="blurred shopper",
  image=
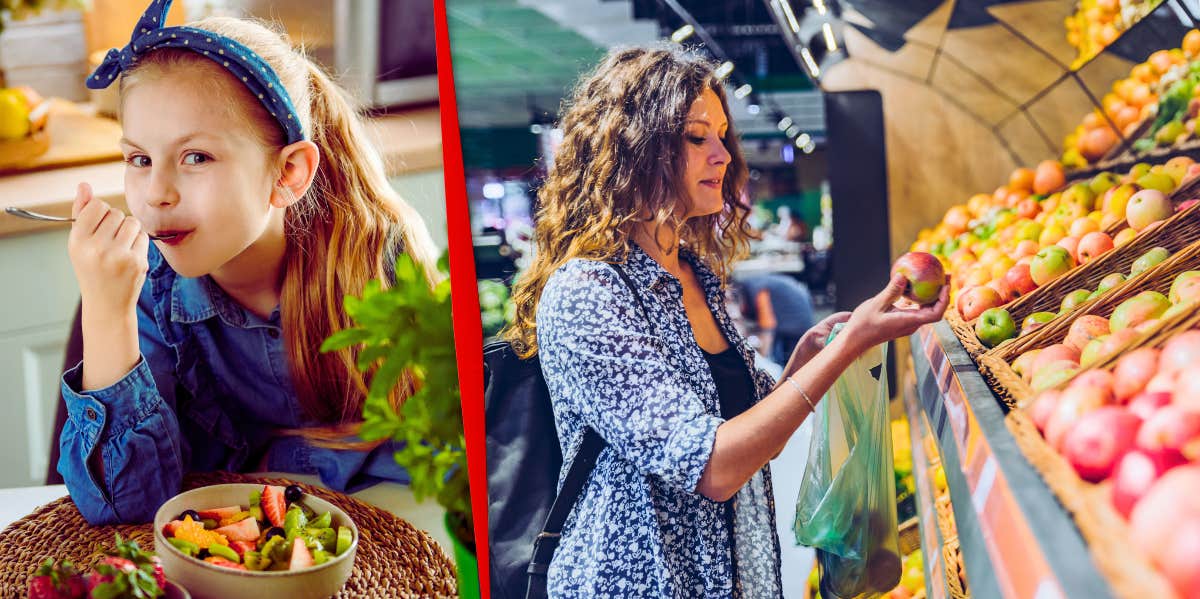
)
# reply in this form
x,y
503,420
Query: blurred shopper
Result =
x,y
679,503
782,310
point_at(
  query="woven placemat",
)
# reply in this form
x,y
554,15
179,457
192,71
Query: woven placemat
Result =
x,y
394,558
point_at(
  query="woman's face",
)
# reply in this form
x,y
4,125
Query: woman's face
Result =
x,y
705,155
195,171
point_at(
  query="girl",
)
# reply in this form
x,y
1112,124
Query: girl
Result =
x,y
200,349
679,503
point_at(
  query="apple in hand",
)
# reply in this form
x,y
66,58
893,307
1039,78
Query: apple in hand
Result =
x,y
1050,262
995,325
974,301
925,276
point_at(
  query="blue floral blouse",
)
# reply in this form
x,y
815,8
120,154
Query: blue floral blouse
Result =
x,y
640,529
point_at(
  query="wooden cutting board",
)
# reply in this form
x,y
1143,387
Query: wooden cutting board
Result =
x,y
77,137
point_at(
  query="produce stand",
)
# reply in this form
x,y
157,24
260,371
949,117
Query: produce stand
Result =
x,y
1015,537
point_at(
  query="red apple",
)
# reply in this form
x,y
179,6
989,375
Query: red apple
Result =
x,y
1180,558
1023,365
1114,342
1162,381
1098,379
1182,350
1019,280
1025,247
977,300
1171,500
1042,408
1071,245
925,276
1084,329
1186,393
1145,404
1170,435
1098,440
1133,476
1006,293
1054,353
1072,405
1092,245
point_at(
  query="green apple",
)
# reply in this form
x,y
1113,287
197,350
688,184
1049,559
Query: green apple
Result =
x,y
995,326
1185,288
1049,263
1103,182
1082,194
1148,260
1074,299
1138,309
1110,281
1035,321
1092,351
1138,170
1159,181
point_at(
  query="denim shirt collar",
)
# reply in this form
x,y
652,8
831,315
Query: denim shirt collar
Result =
x,y
197,299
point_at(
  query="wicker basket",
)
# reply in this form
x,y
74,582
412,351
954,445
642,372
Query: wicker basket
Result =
x,y
1159,278
1177,232
1128,572
394,558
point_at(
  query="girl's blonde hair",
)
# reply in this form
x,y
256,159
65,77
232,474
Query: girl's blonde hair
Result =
x,y
620,164
340,233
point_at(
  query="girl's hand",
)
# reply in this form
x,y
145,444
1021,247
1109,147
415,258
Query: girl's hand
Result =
x,y
813,341
108,253
880,319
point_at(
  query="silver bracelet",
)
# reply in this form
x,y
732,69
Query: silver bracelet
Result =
x,y
802,393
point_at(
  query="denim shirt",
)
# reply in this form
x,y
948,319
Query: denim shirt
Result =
x,y
639,528
210,387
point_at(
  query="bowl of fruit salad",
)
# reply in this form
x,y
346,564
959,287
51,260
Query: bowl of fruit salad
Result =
x,y
251,541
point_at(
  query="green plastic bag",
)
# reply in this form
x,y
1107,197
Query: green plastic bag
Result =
x,y
847,504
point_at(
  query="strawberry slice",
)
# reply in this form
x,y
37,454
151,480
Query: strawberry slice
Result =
x,y
241,547
224,563
301,557
243,530
220,513
273,505
169,528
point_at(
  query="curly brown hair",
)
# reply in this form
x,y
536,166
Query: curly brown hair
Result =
x,y
620,164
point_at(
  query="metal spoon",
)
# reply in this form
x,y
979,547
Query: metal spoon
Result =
x,y
23,213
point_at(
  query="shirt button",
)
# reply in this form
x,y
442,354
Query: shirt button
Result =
x,y
91,414
273,333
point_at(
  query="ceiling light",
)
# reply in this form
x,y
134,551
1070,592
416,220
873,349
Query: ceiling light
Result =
x,y
683,33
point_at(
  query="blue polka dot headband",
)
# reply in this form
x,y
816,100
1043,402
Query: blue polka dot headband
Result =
x,y
242,62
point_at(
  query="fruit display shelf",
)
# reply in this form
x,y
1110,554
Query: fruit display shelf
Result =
x,y
1016,539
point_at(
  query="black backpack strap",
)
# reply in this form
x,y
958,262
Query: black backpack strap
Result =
x,y
577,474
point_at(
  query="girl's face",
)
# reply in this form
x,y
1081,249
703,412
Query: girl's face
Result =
x,y
705,155
195,171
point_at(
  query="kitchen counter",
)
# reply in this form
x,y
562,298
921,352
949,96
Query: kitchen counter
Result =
x,y
409,141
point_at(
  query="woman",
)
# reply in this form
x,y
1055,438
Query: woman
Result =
x,y
647,177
